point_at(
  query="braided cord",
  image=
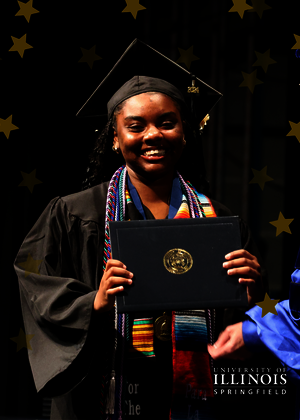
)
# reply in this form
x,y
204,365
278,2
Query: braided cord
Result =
x,y
110,213
195,205
196,198
111,207
115,210
121,195
121,327
123,319
209,321
187,194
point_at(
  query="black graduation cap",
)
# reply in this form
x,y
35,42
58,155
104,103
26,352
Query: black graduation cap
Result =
x,y
141,60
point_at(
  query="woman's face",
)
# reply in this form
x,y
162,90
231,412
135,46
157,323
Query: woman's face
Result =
x,y
150,135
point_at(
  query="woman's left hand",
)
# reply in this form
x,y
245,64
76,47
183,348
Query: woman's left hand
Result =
x,y
245,265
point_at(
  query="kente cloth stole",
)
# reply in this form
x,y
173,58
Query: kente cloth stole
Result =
x,y
141,342
191,330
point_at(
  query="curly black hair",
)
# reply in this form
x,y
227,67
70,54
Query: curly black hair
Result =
x,y
103,161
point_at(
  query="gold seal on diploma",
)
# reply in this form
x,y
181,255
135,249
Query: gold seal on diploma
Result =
x,y
178,261
163,327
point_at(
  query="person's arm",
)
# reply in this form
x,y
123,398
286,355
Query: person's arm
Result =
x,y
238,341
294,296
279,333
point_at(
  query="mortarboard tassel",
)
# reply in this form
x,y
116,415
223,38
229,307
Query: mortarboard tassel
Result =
x,y
203,122
111,397
110,404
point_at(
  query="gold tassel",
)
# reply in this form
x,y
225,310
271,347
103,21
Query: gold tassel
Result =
x,y
204,121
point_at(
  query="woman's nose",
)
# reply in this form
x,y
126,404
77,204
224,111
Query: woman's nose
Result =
x,y
152,133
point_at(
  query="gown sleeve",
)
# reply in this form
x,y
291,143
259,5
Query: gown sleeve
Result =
x,y
278,333
59,272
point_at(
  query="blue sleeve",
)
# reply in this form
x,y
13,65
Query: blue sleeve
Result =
x,y
295,296
251,337
279,333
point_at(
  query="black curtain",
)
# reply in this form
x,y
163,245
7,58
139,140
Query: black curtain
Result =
x,y
44,89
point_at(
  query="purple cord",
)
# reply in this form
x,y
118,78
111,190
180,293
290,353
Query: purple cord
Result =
x,y
123,191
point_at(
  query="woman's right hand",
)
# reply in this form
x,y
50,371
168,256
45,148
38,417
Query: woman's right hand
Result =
x,y
114,277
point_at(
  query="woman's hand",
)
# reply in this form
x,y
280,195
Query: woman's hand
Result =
x,y
230,344
114,278
246,266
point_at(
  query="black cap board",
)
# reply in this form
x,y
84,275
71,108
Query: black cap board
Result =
x,y
141,60
142,84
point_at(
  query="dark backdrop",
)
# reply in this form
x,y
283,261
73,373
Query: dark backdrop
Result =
x,y
45,88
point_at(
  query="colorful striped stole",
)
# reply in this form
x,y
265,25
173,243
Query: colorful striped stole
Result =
x,y
192,379
141,343
183,211
206,205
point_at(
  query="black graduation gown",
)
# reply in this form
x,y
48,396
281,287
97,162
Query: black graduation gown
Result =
x,y
69,344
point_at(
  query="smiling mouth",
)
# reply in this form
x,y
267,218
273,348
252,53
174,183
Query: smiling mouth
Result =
x,y
154,153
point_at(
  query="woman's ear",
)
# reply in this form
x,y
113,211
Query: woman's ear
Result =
x,y
184,131
116,143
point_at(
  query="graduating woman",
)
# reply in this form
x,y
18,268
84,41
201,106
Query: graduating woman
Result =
x,y
95,363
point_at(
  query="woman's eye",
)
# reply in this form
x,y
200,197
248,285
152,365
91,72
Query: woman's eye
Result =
x,y
136,127
168,124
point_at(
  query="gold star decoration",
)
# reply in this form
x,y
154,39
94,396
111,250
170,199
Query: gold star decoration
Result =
x,y
260,177
263,60
20,45
297,45
268,305
259,7
295,130
282,224
29,180
31,266
89,56
26,10
187,56
22,340
250,80
133,6
6,126
240,6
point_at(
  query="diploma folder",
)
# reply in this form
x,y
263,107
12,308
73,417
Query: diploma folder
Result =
x,y
145,246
